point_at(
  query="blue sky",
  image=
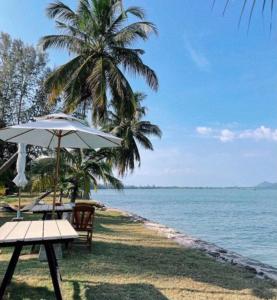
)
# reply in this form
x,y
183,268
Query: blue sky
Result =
x,y
217,98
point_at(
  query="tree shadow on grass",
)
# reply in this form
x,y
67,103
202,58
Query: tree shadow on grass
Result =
x,y
19,291
107,291
112,219
102,222
124,259
181,262
127,259
100,228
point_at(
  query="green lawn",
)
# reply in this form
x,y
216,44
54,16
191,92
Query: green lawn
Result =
x,y
128,261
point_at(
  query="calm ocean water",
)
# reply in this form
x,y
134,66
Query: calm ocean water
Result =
x,y
242,220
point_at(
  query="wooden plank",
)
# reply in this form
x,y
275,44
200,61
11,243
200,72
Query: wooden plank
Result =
x,y
48,208
19,231
37,208
66,230
40,208
69,206
51,230
34,208
6,229
35,232
58,207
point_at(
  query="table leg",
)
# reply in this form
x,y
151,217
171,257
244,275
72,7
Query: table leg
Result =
x,y
54,269
56,262
10,270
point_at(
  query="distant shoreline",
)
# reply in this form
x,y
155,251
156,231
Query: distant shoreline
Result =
x,y
189,188
261,186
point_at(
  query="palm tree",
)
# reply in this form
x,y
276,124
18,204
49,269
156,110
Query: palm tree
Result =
x,y
100,39
80,168
134,131
86,168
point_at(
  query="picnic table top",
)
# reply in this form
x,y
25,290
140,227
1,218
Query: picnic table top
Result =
x,y
41,208
28,232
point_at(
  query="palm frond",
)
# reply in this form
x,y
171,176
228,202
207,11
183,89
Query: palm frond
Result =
x,y
61,11
144,141
69,42
97,83
58,79
149,129
252,4
131,61
135,11
73,88
134,31
120,88
113,181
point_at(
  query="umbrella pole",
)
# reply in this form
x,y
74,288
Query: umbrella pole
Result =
x,y
19,202
56,174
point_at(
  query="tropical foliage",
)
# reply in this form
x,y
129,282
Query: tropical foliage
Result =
x,y
79,168
100,38
134,131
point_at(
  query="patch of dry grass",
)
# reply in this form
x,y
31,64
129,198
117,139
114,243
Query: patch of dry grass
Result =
x,y
128,261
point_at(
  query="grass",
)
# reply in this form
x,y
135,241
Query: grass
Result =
x,y
128,261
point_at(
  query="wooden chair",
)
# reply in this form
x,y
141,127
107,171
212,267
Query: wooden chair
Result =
x,y
83,218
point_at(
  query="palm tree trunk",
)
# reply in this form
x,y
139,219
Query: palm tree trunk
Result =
x,y
74,190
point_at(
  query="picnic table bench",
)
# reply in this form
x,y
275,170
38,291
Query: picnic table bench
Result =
x,y
47,233
46,209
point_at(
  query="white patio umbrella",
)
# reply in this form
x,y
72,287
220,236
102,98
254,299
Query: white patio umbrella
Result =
x,y
20,180
58,131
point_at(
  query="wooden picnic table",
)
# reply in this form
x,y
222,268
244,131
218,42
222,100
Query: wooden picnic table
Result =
x,y
46,209
47,233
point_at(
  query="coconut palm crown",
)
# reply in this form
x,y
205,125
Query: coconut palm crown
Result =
x,y
99,38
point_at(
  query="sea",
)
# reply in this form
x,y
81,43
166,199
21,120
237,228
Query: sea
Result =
x,y
241,220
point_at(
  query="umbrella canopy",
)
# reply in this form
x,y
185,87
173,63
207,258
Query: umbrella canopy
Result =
x,y
47,130
20,180
58,131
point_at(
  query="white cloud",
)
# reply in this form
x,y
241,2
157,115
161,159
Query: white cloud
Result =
x,y
260,133
227,135
196,56
204,130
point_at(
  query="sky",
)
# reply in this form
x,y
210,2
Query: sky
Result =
x,y
217,100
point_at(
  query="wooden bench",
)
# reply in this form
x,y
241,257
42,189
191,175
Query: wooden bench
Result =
x,y
47,233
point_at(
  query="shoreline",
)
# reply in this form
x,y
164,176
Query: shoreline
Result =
x,y
261,270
